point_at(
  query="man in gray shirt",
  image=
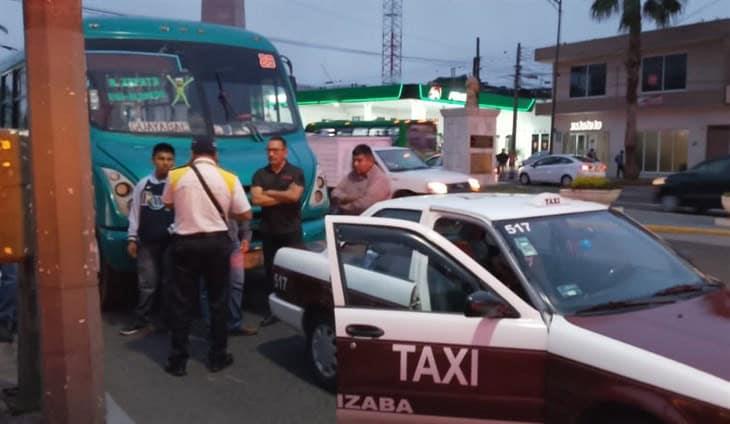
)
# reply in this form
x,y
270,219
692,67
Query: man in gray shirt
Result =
x,y
362,187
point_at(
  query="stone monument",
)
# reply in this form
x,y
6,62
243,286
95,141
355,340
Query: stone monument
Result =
x,y
469,135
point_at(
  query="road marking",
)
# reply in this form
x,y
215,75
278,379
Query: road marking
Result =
x,y
672,229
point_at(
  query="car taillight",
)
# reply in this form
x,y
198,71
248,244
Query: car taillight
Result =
x,y
585,167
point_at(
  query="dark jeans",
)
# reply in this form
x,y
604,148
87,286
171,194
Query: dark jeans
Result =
x,y
271,244
154,269
207,256
619,171
235,301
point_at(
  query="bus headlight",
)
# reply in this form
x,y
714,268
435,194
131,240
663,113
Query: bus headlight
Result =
x,y
436,187
474,184
122,189
319,191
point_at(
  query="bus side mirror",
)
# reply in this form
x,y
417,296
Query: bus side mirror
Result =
x,y
293,82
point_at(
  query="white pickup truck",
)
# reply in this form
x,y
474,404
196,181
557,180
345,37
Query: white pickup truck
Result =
x,y
507,308
408,173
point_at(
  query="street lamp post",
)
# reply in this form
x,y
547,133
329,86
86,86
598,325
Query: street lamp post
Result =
x,y
555,76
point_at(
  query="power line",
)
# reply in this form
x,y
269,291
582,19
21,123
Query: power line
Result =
x,y
697,11
361,51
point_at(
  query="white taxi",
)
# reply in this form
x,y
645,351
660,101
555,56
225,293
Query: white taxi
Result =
x,y
472,308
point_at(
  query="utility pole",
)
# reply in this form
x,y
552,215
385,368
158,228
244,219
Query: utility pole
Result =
x,y
224,12
513,142
555,77
72,357
477,64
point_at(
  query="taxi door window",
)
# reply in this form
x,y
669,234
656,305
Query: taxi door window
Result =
x,y
478,243
405,214
390,268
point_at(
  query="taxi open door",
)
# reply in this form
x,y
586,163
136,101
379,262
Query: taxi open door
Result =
x,y
12,209
424,333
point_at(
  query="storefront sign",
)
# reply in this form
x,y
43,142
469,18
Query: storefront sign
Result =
x,y
586,125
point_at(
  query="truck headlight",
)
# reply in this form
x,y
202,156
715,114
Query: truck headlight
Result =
x,y
436,187
474,184
122,189
319,191
659,181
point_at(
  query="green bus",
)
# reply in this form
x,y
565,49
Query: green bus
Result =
x,y
154,80
419,135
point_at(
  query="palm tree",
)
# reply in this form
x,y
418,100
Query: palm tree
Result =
x,y
632,13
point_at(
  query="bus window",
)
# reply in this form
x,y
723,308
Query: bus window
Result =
x,y
161,86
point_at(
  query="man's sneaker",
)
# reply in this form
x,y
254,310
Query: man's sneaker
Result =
x,y
243,331
220,363
134,328
269,320
176,367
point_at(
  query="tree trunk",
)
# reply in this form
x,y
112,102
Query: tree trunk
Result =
x,y
633,64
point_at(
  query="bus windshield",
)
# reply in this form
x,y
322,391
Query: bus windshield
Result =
x,y
172,87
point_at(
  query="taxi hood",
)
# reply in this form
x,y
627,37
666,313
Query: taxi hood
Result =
x,y
242,156
695,332
432,174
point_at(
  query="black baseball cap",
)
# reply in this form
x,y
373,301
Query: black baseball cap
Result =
x,y
203,144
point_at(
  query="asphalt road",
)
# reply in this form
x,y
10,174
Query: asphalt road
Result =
x,y
269,382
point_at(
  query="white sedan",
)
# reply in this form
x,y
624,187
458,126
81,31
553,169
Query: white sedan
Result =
x,y
561,169
410,175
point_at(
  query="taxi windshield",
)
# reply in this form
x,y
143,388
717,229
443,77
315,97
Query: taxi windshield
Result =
x,y
167,87
588,260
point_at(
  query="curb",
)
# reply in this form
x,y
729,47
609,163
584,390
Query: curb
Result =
x,y
688,230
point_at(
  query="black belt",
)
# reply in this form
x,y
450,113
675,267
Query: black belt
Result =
x,y
201,235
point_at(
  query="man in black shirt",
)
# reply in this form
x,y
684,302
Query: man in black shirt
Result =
x,y
277,188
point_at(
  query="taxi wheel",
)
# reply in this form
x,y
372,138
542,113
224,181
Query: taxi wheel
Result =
x,y
321,350
524,179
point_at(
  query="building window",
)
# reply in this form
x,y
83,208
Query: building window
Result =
x,y
588,80
660,73
540,142
663,151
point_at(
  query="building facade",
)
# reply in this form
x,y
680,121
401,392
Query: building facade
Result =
x,y
683,113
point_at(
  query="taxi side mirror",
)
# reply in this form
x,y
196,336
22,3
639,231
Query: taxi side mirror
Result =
x,y
486,304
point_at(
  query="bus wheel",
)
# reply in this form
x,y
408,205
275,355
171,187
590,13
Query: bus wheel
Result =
x,y
115,288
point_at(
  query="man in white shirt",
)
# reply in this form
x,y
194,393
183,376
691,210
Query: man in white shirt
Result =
x,y
202,248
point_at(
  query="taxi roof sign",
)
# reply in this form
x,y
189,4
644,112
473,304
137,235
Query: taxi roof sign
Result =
x,y
548,199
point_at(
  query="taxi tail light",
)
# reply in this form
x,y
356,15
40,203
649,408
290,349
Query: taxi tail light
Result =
x,y
121,189
319,195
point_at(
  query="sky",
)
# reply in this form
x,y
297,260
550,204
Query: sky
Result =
x,y
437,34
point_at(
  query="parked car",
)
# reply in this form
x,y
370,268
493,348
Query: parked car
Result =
x,y
410,175
534,158
510,308
700,187
561,169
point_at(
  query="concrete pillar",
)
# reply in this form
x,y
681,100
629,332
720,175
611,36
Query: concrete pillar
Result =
x,y
70,324
224,12
464,148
